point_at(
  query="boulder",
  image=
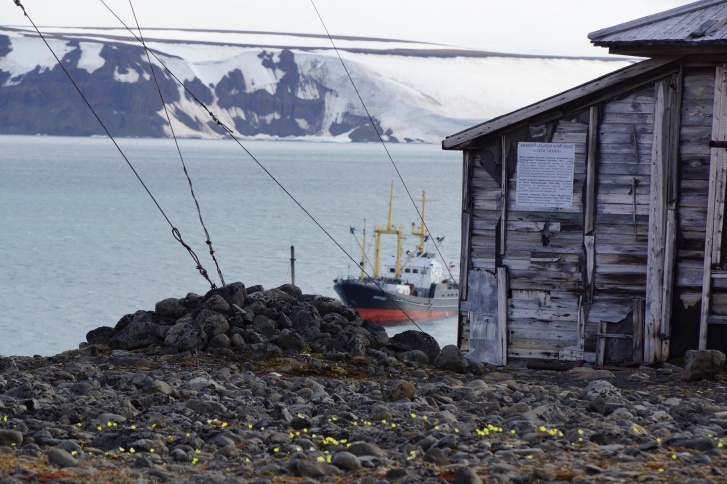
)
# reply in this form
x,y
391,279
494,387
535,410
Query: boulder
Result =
x,y
138,334
704,364
289,340
306,320
186,337
291,290
602,389
234,293
451,359
100,336
170,309
416,340
212,322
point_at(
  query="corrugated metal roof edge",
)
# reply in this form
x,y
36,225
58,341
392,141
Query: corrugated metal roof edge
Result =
x,y
457,140
674,12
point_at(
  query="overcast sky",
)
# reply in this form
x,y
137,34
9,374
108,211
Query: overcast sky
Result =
x,y
556,27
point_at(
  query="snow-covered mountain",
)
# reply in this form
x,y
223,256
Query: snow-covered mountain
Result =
x,y
266,85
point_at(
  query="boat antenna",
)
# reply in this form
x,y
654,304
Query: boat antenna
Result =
x,y
378,134
208,241
175,232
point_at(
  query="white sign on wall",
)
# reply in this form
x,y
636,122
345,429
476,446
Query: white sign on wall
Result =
x,y
545,174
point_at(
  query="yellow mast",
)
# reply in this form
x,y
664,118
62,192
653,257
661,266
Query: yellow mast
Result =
x,y
389,229
421,233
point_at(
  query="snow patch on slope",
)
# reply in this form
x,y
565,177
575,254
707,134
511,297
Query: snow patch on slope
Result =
x,y
91,59
28,54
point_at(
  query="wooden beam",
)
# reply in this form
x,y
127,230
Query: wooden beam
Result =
x,y
503,196
715,200
502,292
657,225
668,285
591,166
638,321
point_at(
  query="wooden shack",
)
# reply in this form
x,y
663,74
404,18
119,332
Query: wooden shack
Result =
x,y
593,221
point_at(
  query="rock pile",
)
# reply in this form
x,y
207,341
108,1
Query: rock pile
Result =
x,y
262,324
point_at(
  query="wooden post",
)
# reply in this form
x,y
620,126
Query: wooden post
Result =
x,y
503,197
638,325
668,285
715,202
591,166
657,226
292,264
502,291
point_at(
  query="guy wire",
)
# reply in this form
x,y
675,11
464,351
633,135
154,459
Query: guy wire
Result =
x,y
175,232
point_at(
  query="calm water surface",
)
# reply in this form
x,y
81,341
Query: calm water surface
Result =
x,y
82,243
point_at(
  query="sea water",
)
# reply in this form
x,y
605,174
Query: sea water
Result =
x,y
82,243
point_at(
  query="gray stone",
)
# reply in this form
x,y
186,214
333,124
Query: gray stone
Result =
x,y
413,356
212,323
100,336
603,389
206,407
361,449
61,458
10,437
220,341
170,309
138,334
234,293
416,340
346,461
186,337
264,351
217,304
703,365
306,468
289,340
451,359
237,340
465,475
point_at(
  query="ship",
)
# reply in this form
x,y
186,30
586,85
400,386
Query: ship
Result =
x,y
413,286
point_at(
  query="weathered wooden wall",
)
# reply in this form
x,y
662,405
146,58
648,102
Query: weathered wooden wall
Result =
x,y
625,136
589,276
694,160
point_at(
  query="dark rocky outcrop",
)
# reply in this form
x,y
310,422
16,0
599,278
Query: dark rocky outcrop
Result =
x,y
263,324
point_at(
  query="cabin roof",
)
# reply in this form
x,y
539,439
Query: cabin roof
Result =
x,y
462,140
676,31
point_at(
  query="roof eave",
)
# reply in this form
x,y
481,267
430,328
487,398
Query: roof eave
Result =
x,y
461,140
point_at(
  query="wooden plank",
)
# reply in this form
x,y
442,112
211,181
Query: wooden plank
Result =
x,y
591,163
638,336
716,195
503,195
502,291
464,257
657,227
668,284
